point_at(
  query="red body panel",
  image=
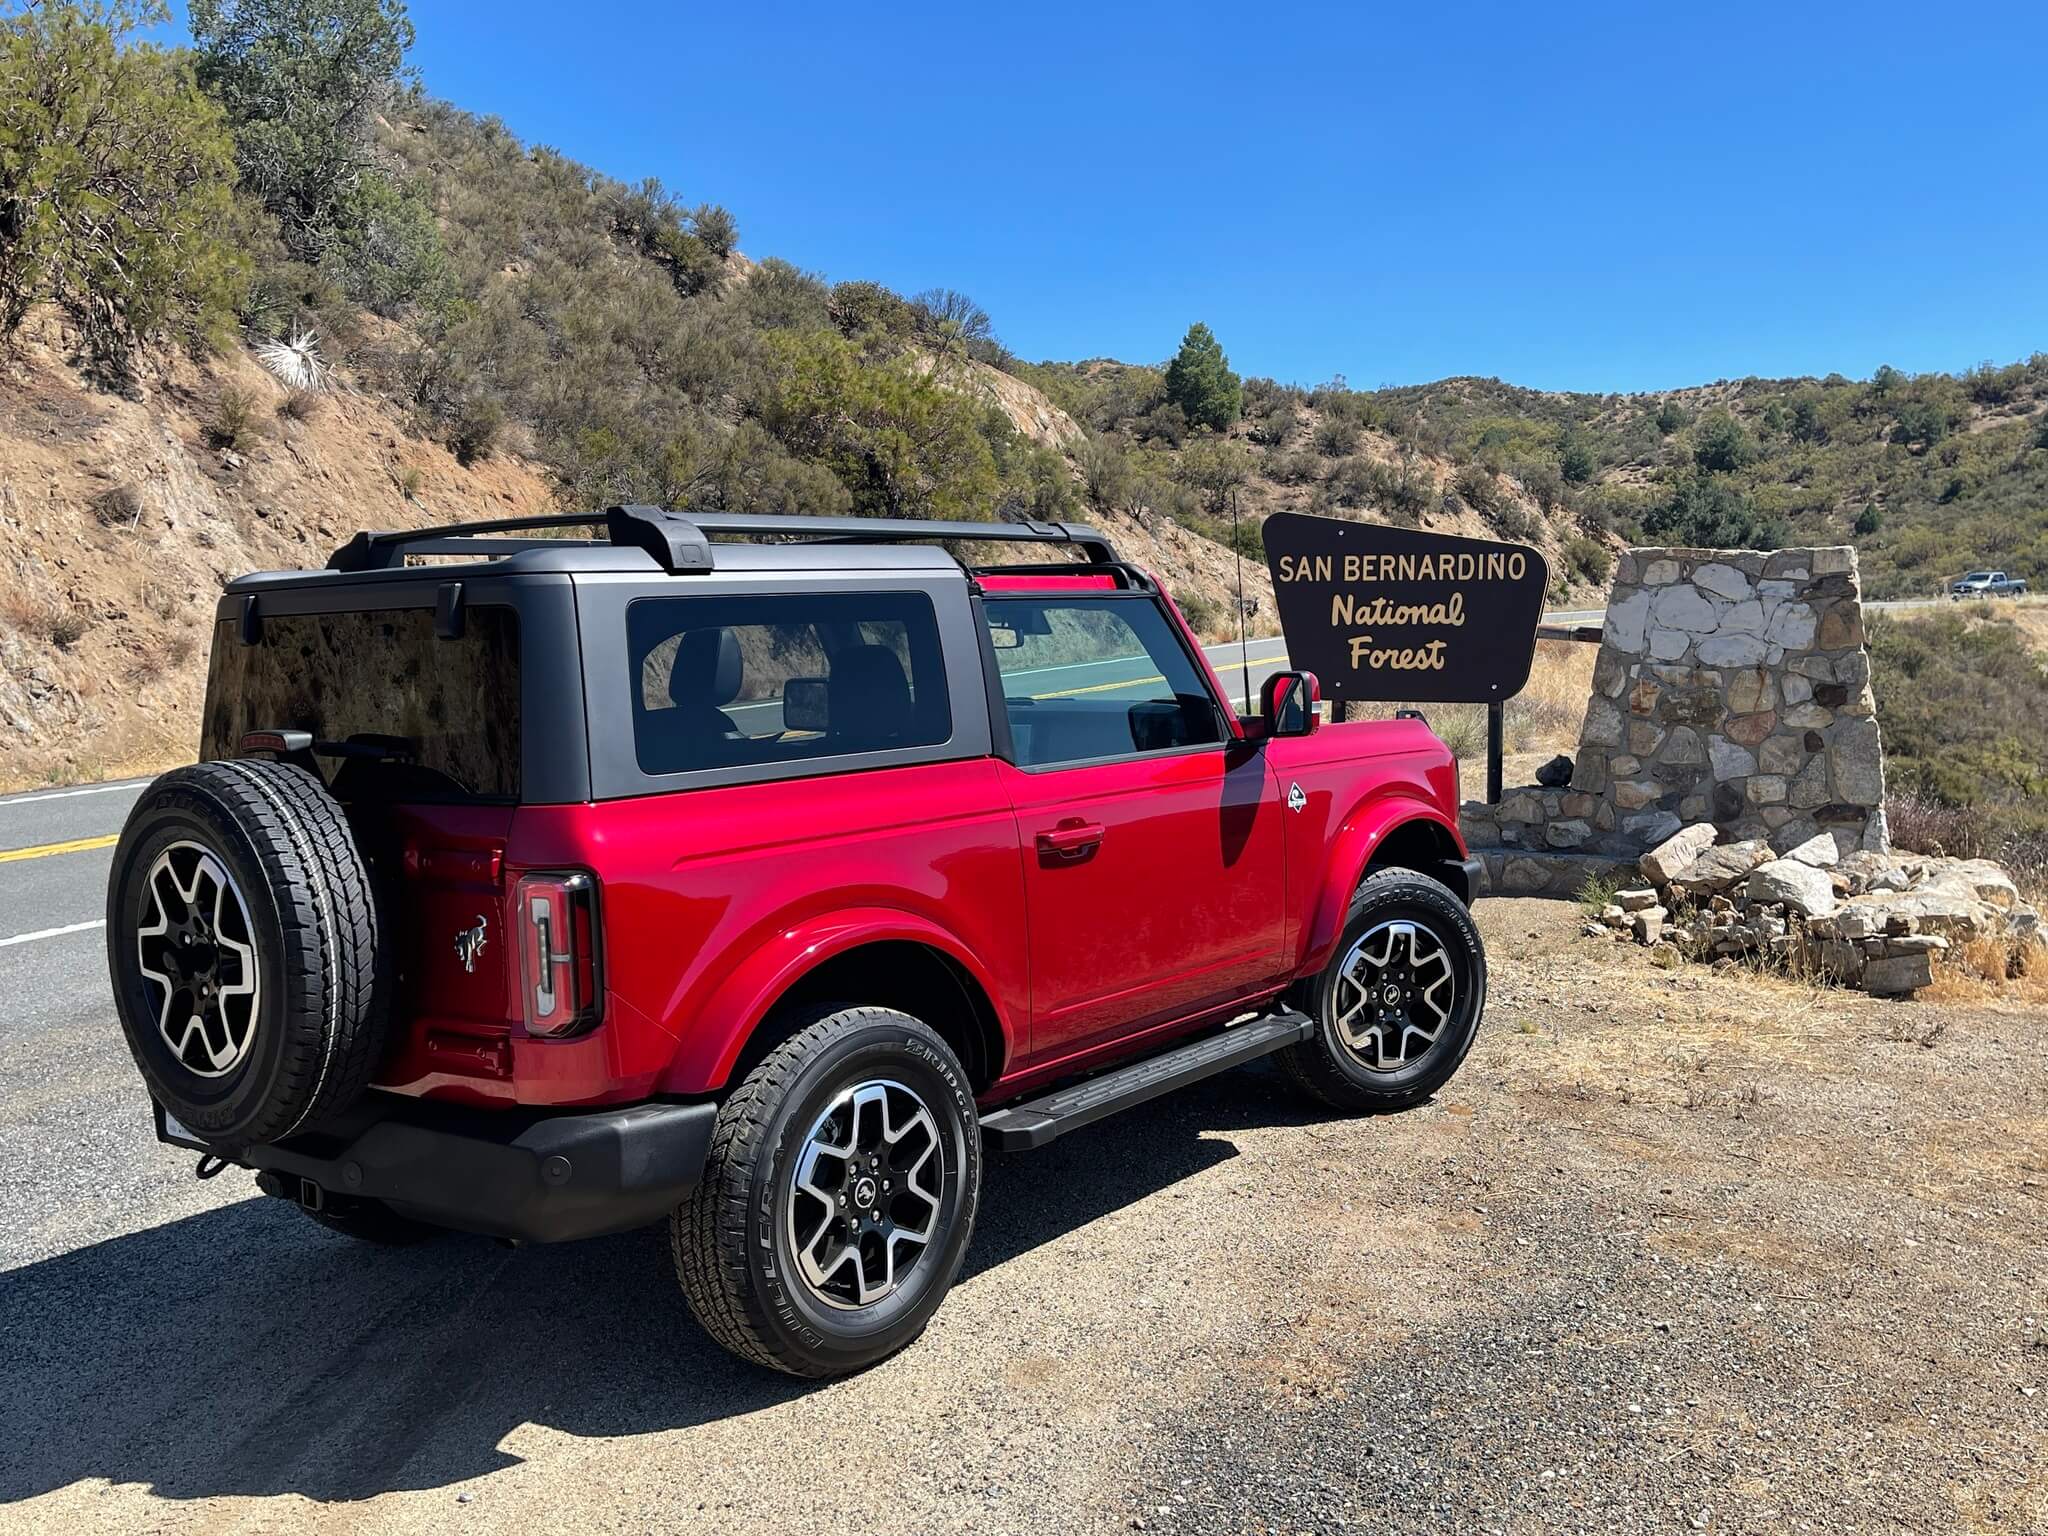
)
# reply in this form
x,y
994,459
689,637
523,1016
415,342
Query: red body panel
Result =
x,y
1361,780
1169,898
1100,907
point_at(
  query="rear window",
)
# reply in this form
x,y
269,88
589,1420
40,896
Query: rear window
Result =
x,y
722,682
430,718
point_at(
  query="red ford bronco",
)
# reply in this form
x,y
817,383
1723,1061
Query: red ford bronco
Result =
x,y
754,873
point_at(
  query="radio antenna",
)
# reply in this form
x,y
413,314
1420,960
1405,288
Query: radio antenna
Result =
x,y
1244,655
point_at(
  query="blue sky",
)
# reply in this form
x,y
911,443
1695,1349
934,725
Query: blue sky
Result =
x,y
1581,197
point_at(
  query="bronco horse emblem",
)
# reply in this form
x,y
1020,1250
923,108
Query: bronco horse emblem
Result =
x,y
469,942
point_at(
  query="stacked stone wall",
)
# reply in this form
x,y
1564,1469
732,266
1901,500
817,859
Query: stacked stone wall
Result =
x,y
1732,687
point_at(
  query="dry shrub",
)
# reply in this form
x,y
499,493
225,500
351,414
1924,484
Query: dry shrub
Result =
x,y
237,422
1919,823
62,624
180,649
118,506
162,599
144,669
302,405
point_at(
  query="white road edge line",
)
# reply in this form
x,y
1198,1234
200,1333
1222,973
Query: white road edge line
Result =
x,y
66,794
53,933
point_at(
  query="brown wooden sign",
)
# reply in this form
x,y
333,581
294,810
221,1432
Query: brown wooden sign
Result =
x,y
1393,614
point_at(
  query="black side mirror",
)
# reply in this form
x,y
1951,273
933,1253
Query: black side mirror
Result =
x,y
1289,704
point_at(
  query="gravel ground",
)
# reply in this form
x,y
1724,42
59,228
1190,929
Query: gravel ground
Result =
x,y
1676,1251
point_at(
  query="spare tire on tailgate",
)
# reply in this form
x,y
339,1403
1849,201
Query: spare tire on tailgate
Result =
x,y
243,946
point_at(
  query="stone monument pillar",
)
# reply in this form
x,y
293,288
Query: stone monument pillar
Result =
x,y
1732,687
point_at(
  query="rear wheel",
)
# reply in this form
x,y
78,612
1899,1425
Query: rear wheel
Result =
x,y
838,1197
1398,1006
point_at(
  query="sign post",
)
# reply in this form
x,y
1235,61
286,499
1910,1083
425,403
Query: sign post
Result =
x,y
1396,615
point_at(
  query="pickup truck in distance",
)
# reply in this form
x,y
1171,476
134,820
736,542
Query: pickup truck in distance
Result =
x,y
1988,584
755,874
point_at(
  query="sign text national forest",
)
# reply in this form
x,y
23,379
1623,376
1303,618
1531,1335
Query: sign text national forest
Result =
x,y
1392,614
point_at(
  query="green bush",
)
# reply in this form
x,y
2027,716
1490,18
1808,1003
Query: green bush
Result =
x,y
1575,458
237,420
1166,424
1200,382
1477,487
1919,424
116,189
387,252
300,81
473,433
1336,436
1869,520
1964,705
1706,512
1722,445
1588,559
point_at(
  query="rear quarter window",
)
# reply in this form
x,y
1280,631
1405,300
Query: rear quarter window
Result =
x,y
765,679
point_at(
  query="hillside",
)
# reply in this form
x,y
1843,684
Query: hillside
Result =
x,y
1927,475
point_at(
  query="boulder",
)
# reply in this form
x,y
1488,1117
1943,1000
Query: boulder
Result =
x,y
1896,975
1818,850
1676,852
1717,869
1649,828
1556,773
1799,887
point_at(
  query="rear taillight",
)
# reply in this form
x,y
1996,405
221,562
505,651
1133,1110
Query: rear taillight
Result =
x,y
558,951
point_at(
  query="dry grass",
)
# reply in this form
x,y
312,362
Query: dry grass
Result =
x,y
58,622
1542,719
162,599
302,405
1991,969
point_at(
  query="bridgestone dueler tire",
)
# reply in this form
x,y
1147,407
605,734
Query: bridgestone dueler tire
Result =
x,y
310,925
730,1238
1322,1067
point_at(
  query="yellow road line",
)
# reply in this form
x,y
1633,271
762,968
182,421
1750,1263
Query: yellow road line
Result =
x,y
76,845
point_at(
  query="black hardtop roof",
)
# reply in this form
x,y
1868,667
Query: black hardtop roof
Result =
x,y
682,543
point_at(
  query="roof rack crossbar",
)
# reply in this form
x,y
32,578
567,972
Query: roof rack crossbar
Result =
x,y
682,542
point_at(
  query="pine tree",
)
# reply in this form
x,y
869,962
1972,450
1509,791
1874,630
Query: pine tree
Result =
x,y
1200,382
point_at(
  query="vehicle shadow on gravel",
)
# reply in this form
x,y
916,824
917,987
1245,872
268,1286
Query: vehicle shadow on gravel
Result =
x,y
246,1352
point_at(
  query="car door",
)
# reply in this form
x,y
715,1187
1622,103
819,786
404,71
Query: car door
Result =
x,y
1150,833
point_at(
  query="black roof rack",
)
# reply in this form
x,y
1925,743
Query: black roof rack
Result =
x,y
681,541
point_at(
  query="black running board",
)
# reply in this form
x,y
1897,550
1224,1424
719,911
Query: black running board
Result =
x,y
1034,1122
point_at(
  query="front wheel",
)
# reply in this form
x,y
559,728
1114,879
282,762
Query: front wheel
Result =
x,y
838,1197
1398,1006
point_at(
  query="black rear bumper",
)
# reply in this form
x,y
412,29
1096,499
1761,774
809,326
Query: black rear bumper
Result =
x,y
536,1178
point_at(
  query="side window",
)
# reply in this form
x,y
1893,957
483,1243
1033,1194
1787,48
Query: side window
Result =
x,y
1096,677
724,682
